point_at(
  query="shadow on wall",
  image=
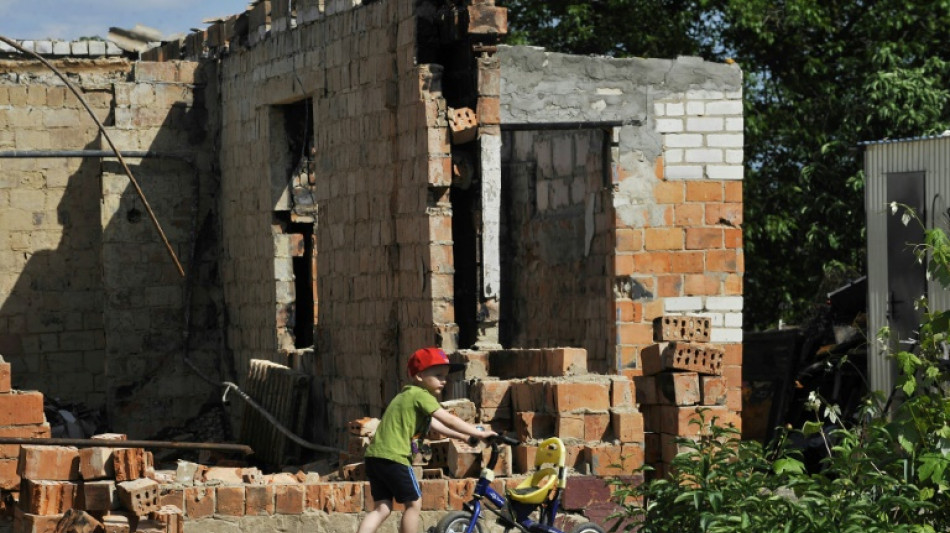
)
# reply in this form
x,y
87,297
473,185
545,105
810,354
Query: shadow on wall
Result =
x,y
99,314
55,339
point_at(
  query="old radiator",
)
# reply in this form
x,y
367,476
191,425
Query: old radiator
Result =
x,y
285,394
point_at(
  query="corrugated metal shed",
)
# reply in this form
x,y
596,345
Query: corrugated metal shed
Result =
x,y
891,166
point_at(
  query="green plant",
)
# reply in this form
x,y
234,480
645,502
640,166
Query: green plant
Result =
x,y
886,470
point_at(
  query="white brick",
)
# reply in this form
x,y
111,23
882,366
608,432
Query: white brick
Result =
x,y
696,108
725,107
29,45
733,320
79,48
735,124
683,172
724,172
702,94
673,156
61,48
659,109
704,124
113,49
725,140
683,140
725,335
703,155
44,47
675,109
724,303
734,95
735,157
683,304
715,319
97,48
669,125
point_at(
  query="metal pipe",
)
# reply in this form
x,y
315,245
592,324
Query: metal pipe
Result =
x,y
572,125
41,154
103,443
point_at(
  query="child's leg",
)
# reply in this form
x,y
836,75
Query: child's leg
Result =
x,y
376,517
410,517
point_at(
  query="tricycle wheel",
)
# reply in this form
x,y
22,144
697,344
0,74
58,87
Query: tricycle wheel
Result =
x,y
457,522
588,527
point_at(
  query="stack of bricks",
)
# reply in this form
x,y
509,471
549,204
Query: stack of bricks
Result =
x,y
682,385
21,416
596,416
96,489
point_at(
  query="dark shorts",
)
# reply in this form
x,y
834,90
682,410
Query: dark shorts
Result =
x,y
389,481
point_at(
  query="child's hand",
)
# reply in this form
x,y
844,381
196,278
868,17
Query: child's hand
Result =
x,y
482,434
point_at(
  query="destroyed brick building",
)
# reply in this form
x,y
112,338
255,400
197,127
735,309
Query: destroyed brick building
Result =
x,y
344,182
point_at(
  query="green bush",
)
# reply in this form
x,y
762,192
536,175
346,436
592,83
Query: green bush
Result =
x,y
885,471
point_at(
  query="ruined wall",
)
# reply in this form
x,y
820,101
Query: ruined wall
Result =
x,y
675,184
375,216
91,305
556,291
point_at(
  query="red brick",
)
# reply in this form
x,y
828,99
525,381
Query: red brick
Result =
x,y
732,285
696,357
569,396
5,377
681,328
733,191
732,238
47,497
663,239
33,523
669,286
678,388
259,500
463,460
524,458
130,463
628,311
723,261
570,426
713,390
529,395
671,448
688,214
701,285
728,214
669,192
491,393
434,494
733,375
627,425
629,240
171,496
605,460
339,497
704,238
684,421
21,408
289,499
622,392
99,495
139,496
30,431
595,426
489,110
646,390
97,463
625,264
119,522
734,399
704,191
459,492
486,19
229,501
54,463
651,263
170,517
560,362
532,425
687,262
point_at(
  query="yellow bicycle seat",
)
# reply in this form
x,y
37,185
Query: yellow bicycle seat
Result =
x,y
535,489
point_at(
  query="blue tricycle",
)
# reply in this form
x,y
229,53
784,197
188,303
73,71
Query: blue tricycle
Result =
x,y
542,492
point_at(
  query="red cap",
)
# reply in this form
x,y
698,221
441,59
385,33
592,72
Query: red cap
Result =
x,y
428,357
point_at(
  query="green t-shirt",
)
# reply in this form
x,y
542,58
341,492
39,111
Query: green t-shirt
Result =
x,y
407,416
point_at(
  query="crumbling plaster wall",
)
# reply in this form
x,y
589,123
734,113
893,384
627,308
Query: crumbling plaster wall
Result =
x,y
675,193
92,308
377,216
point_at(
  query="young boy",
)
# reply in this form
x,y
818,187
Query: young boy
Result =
x,y
409,416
